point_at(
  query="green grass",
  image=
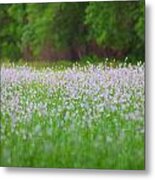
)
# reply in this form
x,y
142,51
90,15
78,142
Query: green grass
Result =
x,y
50,140
63,63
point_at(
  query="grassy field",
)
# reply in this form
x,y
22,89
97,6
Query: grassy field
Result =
x,y
88,116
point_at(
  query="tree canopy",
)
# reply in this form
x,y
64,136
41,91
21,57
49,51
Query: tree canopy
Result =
x,y
71,30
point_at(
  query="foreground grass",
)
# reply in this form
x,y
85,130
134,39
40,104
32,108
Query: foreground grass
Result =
x,y
82,117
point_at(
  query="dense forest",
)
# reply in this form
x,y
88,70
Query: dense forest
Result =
x,y
53,31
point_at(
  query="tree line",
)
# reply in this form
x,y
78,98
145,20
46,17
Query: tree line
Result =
x,y
52,31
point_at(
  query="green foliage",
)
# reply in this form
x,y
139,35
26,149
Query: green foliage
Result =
x,y
118,25
29,29
38,30
68,28
9,33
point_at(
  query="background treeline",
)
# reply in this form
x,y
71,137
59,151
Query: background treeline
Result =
x,y
52,31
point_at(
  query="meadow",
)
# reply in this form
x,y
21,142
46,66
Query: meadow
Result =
x,y
88,116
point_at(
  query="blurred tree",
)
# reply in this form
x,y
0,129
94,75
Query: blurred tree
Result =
x,y
27,29
38,29
68,26
118,25
10,33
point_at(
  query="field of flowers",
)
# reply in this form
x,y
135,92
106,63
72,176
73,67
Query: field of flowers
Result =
x,y
80,117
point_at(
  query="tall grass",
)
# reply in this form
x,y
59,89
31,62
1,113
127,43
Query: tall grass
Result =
x,y
88,116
